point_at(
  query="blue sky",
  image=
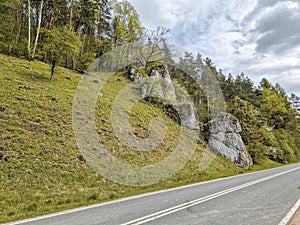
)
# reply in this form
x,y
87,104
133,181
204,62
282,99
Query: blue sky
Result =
x,y
258,37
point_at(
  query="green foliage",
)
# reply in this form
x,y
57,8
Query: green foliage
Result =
x,y
85,21
8,25
276,108
248,115
126,26
258,151
241,87
58,43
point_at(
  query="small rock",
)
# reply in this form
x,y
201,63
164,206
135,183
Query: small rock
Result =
x,y
28,88
81,158
3,108
18,112
27,67
20,99
132,71
138,79
144,91
96,82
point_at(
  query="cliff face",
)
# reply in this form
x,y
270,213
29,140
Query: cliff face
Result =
x,y
225,140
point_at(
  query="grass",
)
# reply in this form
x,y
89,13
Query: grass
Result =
x,y
41,169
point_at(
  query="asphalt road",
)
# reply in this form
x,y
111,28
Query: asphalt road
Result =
x,y
257,198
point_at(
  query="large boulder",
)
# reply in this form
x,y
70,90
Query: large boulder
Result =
x,y
225,139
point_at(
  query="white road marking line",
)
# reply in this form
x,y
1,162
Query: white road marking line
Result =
x,y
290,214
133,197
177,208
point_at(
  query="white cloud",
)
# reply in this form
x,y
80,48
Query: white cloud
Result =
x,y
258,37
156,13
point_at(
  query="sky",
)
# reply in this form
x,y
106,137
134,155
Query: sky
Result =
x,y
258,37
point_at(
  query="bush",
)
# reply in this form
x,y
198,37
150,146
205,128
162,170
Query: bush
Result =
x,y
258,151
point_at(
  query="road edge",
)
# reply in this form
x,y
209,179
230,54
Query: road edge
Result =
x,y
289,216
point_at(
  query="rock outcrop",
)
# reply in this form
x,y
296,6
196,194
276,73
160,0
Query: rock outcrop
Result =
x,y
225,140
188,115
161,86
135,77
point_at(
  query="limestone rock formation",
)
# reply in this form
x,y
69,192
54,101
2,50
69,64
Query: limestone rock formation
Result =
x,y
161,86
225,140
188,114
135,77
158,86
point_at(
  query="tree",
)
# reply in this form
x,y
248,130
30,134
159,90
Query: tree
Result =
x,y
126,25
275,106
58,43
21,20
248,116
188,63
38,28
10,20
71,15
151,49
29,28
294,97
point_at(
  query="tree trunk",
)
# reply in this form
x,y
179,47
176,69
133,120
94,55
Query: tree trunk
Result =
x,y
53,68
19,33
11,42
83,45
74,62
99,33
51,24
67,59
38,29
19,20
29,28
207,95
71,15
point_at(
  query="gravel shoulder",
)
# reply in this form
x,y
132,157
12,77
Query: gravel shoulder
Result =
x,y
296,218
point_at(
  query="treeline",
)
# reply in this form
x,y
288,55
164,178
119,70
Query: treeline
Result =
x,y
271,128
70,33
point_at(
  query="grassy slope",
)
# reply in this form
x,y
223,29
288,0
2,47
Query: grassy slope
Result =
x,y
41,168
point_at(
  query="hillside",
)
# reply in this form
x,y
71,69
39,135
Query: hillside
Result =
x,y
41,168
